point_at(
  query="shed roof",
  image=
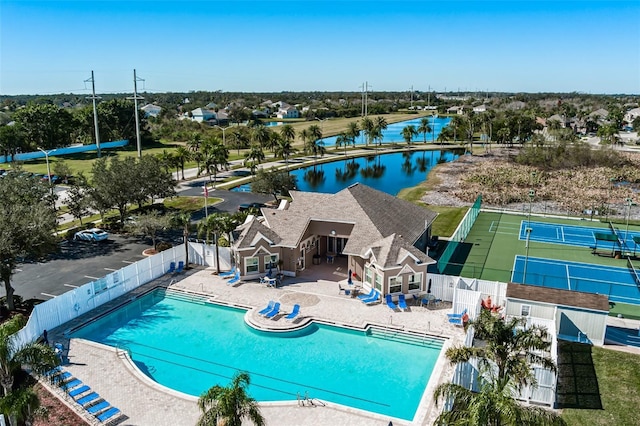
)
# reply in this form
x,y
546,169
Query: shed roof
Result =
x,y
558,297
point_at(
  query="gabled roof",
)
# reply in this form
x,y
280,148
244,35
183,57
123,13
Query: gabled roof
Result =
x,y
391,251
253,231
373,214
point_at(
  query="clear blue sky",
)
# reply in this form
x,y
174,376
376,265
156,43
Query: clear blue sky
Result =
x,y
259,46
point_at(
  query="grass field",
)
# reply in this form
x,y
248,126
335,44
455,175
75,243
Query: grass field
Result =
x,y
602,386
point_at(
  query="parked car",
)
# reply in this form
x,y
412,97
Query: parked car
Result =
x,y
94,234
248,206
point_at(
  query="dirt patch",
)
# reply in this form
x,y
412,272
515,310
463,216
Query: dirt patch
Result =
x,y
59,413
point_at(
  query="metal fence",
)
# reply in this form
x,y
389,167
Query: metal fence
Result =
x,y
460,233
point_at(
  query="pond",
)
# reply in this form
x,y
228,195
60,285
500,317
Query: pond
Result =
x,y
388,173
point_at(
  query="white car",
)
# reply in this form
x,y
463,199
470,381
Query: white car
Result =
x,y
94,234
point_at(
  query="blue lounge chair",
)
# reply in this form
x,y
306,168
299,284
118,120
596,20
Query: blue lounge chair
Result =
x,y
457,315
94,409
390,303
172,267
402,303
78,391
88,398
235,279
108,414
373,299
71,384
62,377
294,313
367,296
228,274
268,308
273,312
180,267
53,371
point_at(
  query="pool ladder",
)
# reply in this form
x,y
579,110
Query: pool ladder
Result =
x,y
307,401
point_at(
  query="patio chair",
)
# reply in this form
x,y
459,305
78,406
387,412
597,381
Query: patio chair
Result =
x,y
95,409
228,274
78,391
459,320
458,316
235,279
108,414
275,311
268,308
180,267
172,267
87,399
390,303
294,313
367,296
402,303
373,299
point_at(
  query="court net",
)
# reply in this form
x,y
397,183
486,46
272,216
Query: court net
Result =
x,y
633,271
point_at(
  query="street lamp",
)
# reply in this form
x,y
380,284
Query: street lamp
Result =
x,y
532,194
629,204
46,157
224,138
526,257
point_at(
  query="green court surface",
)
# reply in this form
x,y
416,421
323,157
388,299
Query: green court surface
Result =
x,y
491,246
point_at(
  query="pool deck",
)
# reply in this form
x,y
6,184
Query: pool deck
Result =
x,y
143,402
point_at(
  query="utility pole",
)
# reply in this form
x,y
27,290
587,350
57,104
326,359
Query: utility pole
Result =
x,y
411,97
95,111
365,101
135,103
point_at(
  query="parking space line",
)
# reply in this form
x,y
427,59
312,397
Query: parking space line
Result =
x,y
71,285
49,295
110,269
91,278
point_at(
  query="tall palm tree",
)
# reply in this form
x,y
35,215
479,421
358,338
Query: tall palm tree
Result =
x,y
254,157
214,224
380,125
261,135
492,405
13,356
408,133
183,221
343,140
353,131
181,156
215,154
367,125
229,405
194,141
288,133
305,136
509,346
424,128
284,149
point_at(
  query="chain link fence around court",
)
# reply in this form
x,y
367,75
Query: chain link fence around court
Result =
x,y
460,234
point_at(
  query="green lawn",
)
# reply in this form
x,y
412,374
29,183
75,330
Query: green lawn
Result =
x,y
614,397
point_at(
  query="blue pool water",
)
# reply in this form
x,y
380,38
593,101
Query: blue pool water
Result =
x,y
190,346
388,173
393,132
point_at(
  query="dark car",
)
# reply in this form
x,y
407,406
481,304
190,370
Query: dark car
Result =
x,y
248,206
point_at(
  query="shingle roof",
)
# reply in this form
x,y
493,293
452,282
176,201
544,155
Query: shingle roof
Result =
x,y
558,297
250,230
392,250
374,214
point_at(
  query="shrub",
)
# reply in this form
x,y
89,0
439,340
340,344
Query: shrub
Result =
x,y
163,245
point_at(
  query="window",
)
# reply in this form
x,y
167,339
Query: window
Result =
x,y
415,280
525,310
251,264
379,282
395,285
271,261
367,275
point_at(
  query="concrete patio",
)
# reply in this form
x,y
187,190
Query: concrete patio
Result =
x,y
143,402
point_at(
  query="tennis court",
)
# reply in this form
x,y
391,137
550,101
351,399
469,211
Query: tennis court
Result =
x,y
580,236
619,284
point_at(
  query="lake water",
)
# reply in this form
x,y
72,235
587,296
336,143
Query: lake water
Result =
x,y
388,173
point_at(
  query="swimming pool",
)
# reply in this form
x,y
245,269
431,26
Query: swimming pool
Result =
x,y
191,345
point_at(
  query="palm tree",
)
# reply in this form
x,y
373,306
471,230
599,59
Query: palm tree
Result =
x,y
22,406
39,357
214,154
214,224
240,139
229,405
353,131
284,149
183,221
254,157
408,133
508,346
424,128
380,126
181,156
492,405
314,142
367,128
343,140
261,135
288,133
194,141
